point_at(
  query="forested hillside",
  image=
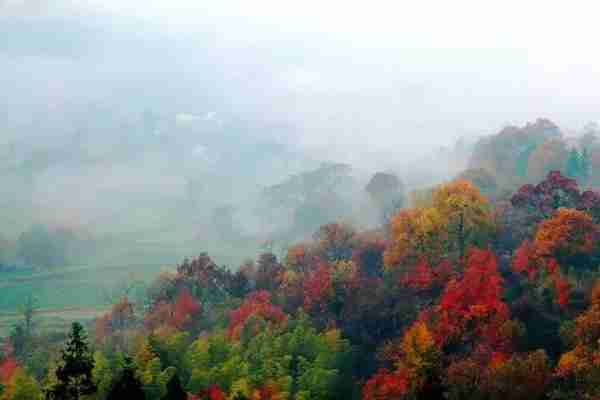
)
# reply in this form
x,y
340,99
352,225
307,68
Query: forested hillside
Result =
x,y
484,286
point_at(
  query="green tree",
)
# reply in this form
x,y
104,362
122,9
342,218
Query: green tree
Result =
x,y
74,373
102,375
23,387
127,386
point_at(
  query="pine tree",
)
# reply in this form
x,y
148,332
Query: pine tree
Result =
x,y
127,386
174,389
74,374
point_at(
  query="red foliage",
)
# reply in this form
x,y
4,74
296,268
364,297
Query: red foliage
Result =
x,y
525,260
179,315
317,286
8,367
214,392
422,277
186,308
554,192
563,288
385,385
257,304
473,305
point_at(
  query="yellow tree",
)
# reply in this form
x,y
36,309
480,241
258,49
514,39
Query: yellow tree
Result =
x,y
416,234
465,213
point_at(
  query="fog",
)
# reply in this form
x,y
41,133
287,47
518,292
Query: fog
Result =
x,y
136,121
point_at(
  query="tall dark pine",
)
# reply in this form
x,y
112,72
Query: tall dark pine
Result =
x,y
128,385
74,374
174,389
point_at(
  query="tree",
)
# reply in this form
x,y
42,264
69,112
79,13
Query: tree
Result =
x,y
465,212
543,199
482,178
578,368
385,385
127,386
335,241
268,272
174,389
74,374
573,167
549,156
416,234
387,192
257,305
568,239
22,387
471,308
186,310
585,165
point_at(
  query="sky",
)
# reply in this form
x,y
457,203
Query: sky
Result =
x,y
342,76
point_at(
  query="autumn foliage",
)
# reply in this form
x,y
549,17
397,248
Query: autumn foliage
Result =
x,y
257,305
472,306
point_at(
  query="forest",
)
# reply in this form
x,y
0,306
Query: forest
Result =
x,y
483,286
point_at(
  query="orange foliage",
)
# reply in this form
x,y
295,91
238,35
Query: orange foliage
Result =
x,y
299,258
569,233
417,233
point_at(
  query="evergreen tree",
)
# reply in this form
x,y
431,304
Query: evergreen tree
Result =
x,y
74,374
174,389
127,385
573,167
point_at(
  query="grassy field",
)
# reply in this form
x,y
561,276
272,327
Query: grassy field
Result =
x,y
81,292
68,294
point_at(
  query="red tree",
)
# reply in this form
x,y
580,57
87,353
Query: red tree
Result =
x,y
471,308
317,287
385,385
186,308
257,304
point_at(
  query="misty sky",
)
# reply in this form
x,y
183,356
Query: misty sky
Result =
x,y
337,75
